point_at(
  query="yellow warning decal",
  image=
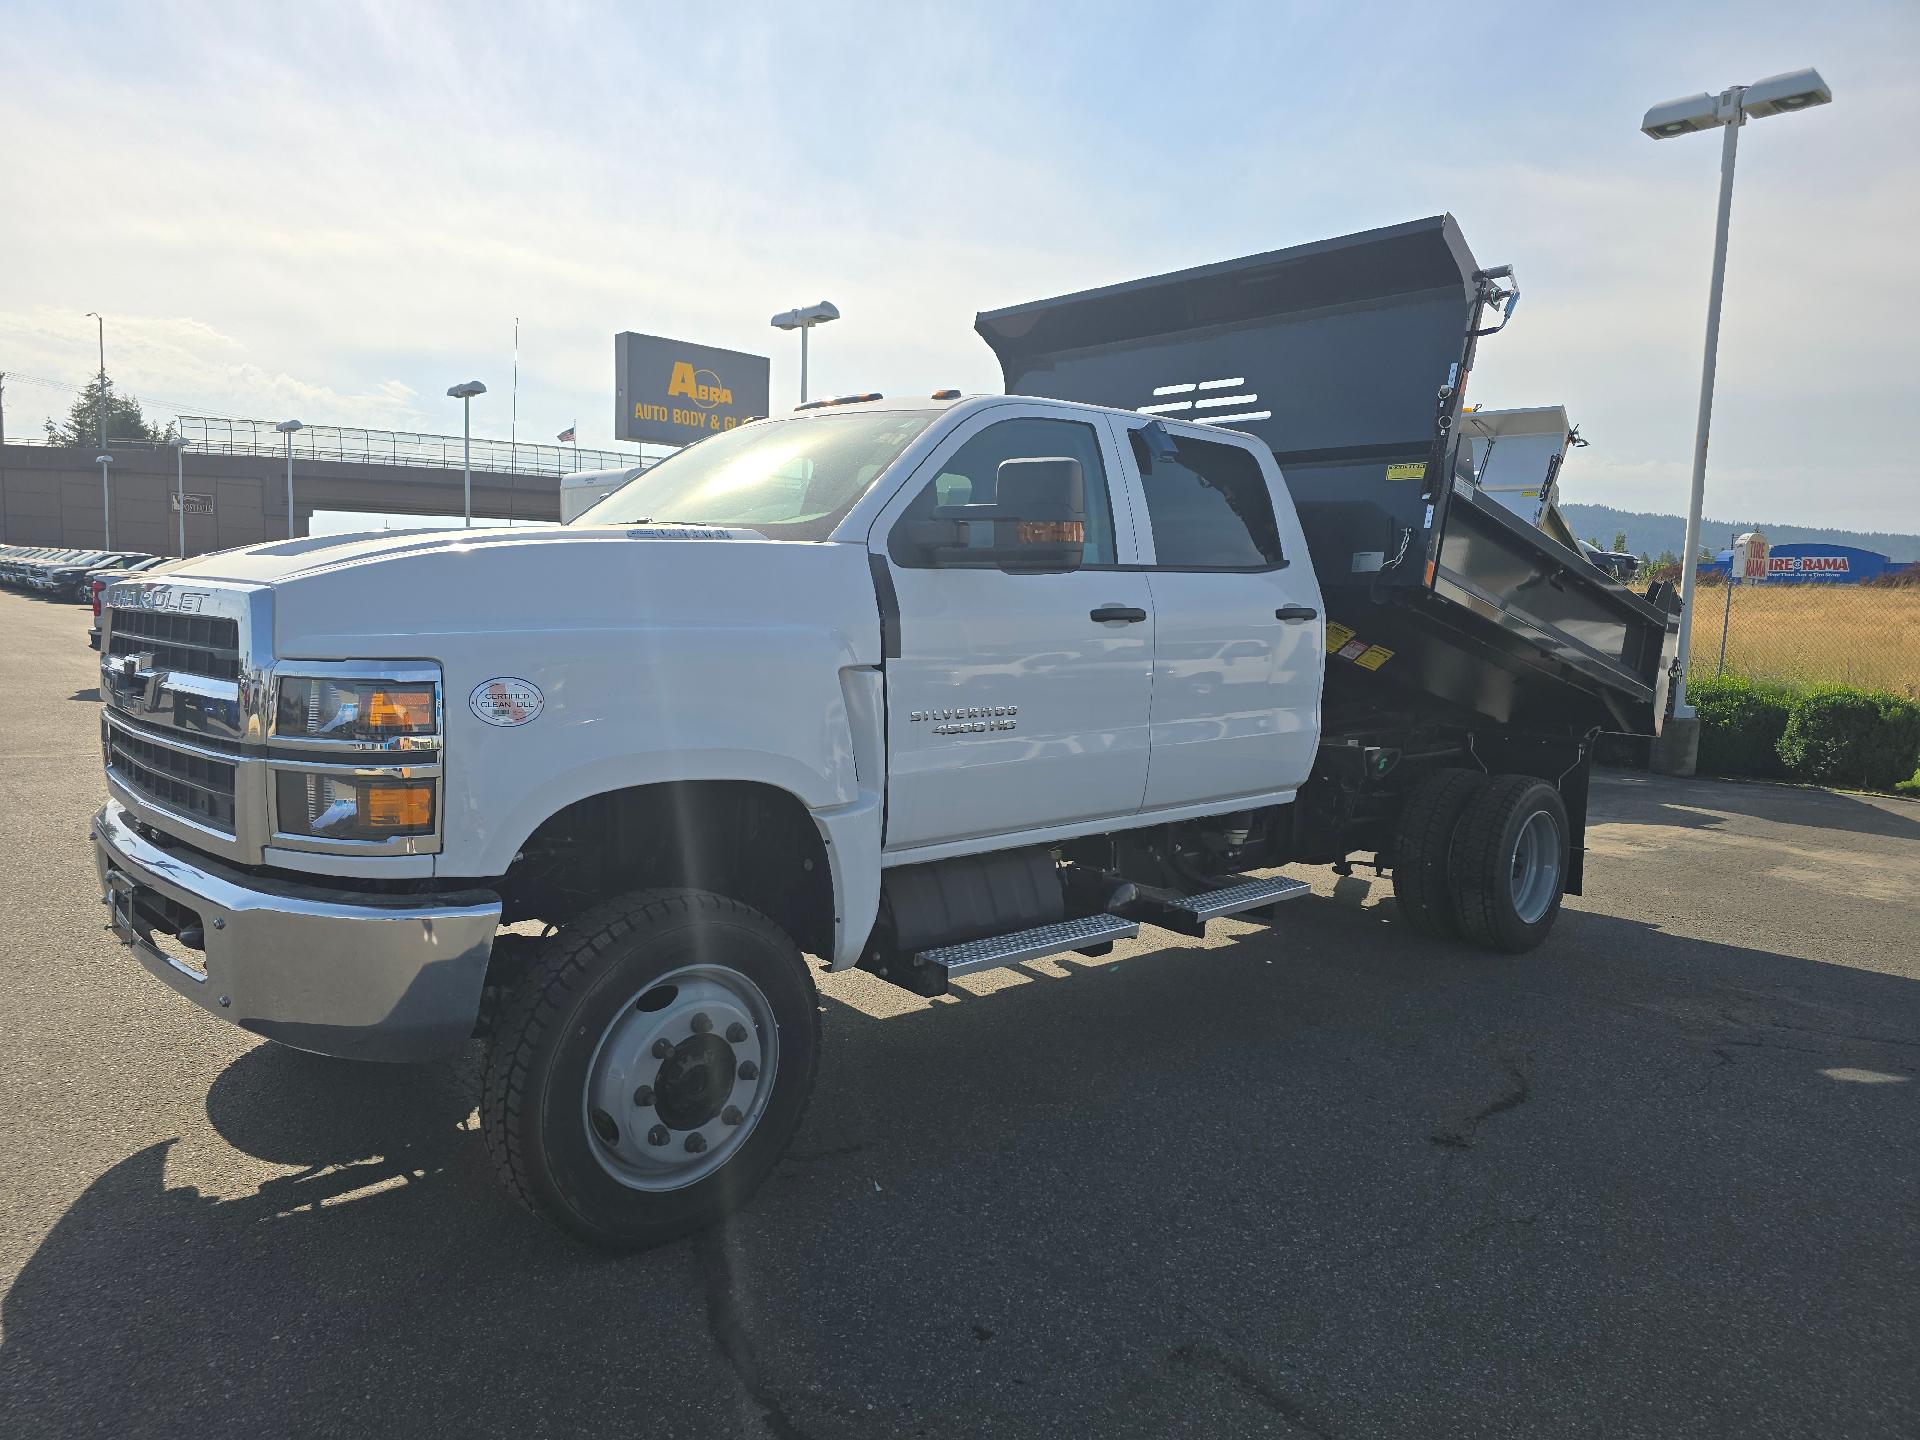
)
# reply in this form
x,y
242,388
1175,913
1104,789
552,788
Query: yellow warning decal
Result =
x,y
1415,471
1373,657
1337,635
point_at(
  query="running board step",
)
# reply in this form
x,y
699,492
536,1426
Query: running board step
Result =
x,y
1189,915
1086,933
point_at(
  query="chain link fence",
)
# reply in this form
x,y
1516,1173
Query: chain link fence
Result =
x,y
1809,632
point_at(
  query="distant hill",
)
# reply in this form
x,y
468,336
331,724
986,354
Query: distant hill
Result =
x,y
1652,534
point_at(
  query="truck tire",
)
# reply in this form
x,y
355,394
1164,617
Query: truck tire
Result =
x,y
1423,846
651,1067
1509,864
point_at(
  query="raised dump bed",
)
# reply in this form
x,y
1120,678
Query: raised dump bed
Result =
x,y
1350,358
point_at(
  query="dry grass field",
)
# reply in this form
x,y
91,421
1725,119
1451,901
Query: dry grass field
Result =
x,y
1840,634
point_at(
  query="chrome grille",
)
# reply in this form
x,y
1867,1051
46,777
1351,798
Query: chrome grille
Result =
x,y
195,786
206,645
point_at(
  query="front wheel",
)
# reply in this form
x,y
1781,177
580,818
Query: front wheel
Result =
x,y
651,1067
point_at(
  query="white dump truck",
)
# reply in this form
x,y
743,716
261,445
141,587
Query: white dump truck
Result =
x,y
925,686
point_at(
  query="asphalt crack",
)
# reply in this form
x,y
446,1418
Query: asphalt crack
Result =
x,y
729,1331
1232,1367
1464,1135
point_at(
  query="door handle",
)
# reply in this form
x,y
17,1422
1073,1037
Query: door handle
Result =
x,y
1132,614
1296,612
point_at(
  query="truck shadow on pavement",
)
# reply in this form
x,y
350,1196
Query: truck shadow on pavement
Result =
x,y
1316,1178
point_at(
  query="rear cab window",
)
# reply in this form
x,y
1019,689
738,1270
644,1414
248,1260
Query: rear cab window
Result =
x,y
1208,506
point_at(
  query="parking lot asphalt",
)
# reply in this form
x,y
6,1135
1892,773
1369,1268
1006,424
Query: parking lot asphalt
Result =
x,y
1661,1177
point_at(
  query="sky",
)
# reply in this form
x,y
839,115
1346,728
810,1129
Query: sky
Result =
x,y
335,211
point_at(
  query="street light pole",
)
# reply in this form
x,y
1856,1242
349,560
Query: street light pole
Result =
x,y
1696,498
100,406
103,460
803,320
1732,108
180,443
464,394
286,428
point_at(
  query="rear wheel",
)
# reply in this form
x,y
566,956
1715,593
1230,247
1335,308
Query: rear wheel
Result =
x,y
1509,864
651,1067
1422,850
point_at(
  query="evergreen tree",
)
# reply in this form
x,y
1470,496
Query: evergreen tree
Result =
x,y
125,421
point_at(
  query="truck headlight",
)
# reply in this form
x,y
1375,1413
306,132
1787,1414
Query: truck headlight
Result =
x,y
351,807
367,711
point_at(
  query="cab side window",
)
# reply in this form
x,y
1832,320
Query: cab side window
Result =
x,y
969,474
1209,508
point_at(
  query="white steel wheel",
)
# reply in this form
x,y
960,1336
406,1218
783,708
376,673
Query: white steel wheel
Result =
x,y
681,1077
650,1068
1508,863
1535,868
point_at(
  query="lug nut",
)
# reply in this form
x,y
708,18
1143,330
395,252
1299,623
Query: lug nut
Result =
x,y
731,1115
662,1048
657,1135
696,1142
736,1032
643,1096
701,1024
749,1070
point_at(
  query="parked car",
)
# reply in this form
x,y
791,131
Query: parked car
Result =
x,y
20,558
68,580
40,574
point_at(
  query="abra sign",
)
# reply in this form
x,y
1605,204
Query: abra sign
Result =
x,y
673,393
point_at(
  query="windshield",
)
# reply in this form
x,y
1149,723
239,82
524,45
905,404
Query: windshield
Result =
x,y
792,479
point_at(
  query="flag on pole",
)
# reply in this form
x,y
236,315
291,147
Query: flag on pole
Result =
x,y
565,437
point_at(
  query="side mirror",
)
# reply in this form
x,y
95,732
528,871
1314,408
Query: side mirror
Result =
x,y
1037,520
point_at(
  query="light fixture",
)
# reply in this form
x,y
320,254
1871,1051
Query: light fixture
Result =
x,y
803,320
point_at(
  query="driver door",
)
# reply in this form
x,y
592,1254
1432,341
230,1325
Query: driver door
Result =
x,y
1018,701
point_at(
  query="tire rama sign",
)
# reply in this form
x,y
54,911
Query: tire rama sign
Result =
x,y
671,392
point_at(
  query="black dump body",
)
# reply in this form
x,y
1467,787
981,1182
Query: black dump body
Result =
x,y
1350,357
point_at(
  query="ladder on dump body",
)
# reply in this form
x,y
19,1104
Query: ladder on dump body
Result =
x,y
1095,934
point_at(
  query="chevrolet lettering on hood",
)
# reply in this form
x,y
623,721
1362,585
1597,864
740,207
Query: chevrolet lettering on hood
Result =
x,y
156,597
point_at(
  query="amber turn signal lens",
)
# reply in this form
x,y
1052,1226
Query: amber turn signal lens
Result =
x,y
399,807
1052,532
407,710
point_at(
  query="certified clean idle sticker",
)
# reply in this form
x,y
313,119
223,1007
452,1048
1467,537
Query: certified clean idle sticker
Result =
x,y
506,700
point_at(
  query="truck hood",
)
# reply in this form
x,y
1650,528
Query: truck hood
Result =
x,y
278,561
449,594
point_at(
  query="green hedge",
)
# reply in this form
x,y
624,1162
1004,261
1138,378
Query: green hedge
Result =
x,y
1829,735
1852,737
1741,722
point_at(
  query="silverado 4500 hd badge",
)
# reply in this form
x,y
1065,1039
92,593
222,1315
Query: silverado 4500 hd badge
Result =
x,y
969,720
506,700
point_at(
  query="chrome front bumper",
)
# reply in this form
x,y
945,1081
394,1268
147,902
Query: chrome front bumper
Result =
x,y
366,977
